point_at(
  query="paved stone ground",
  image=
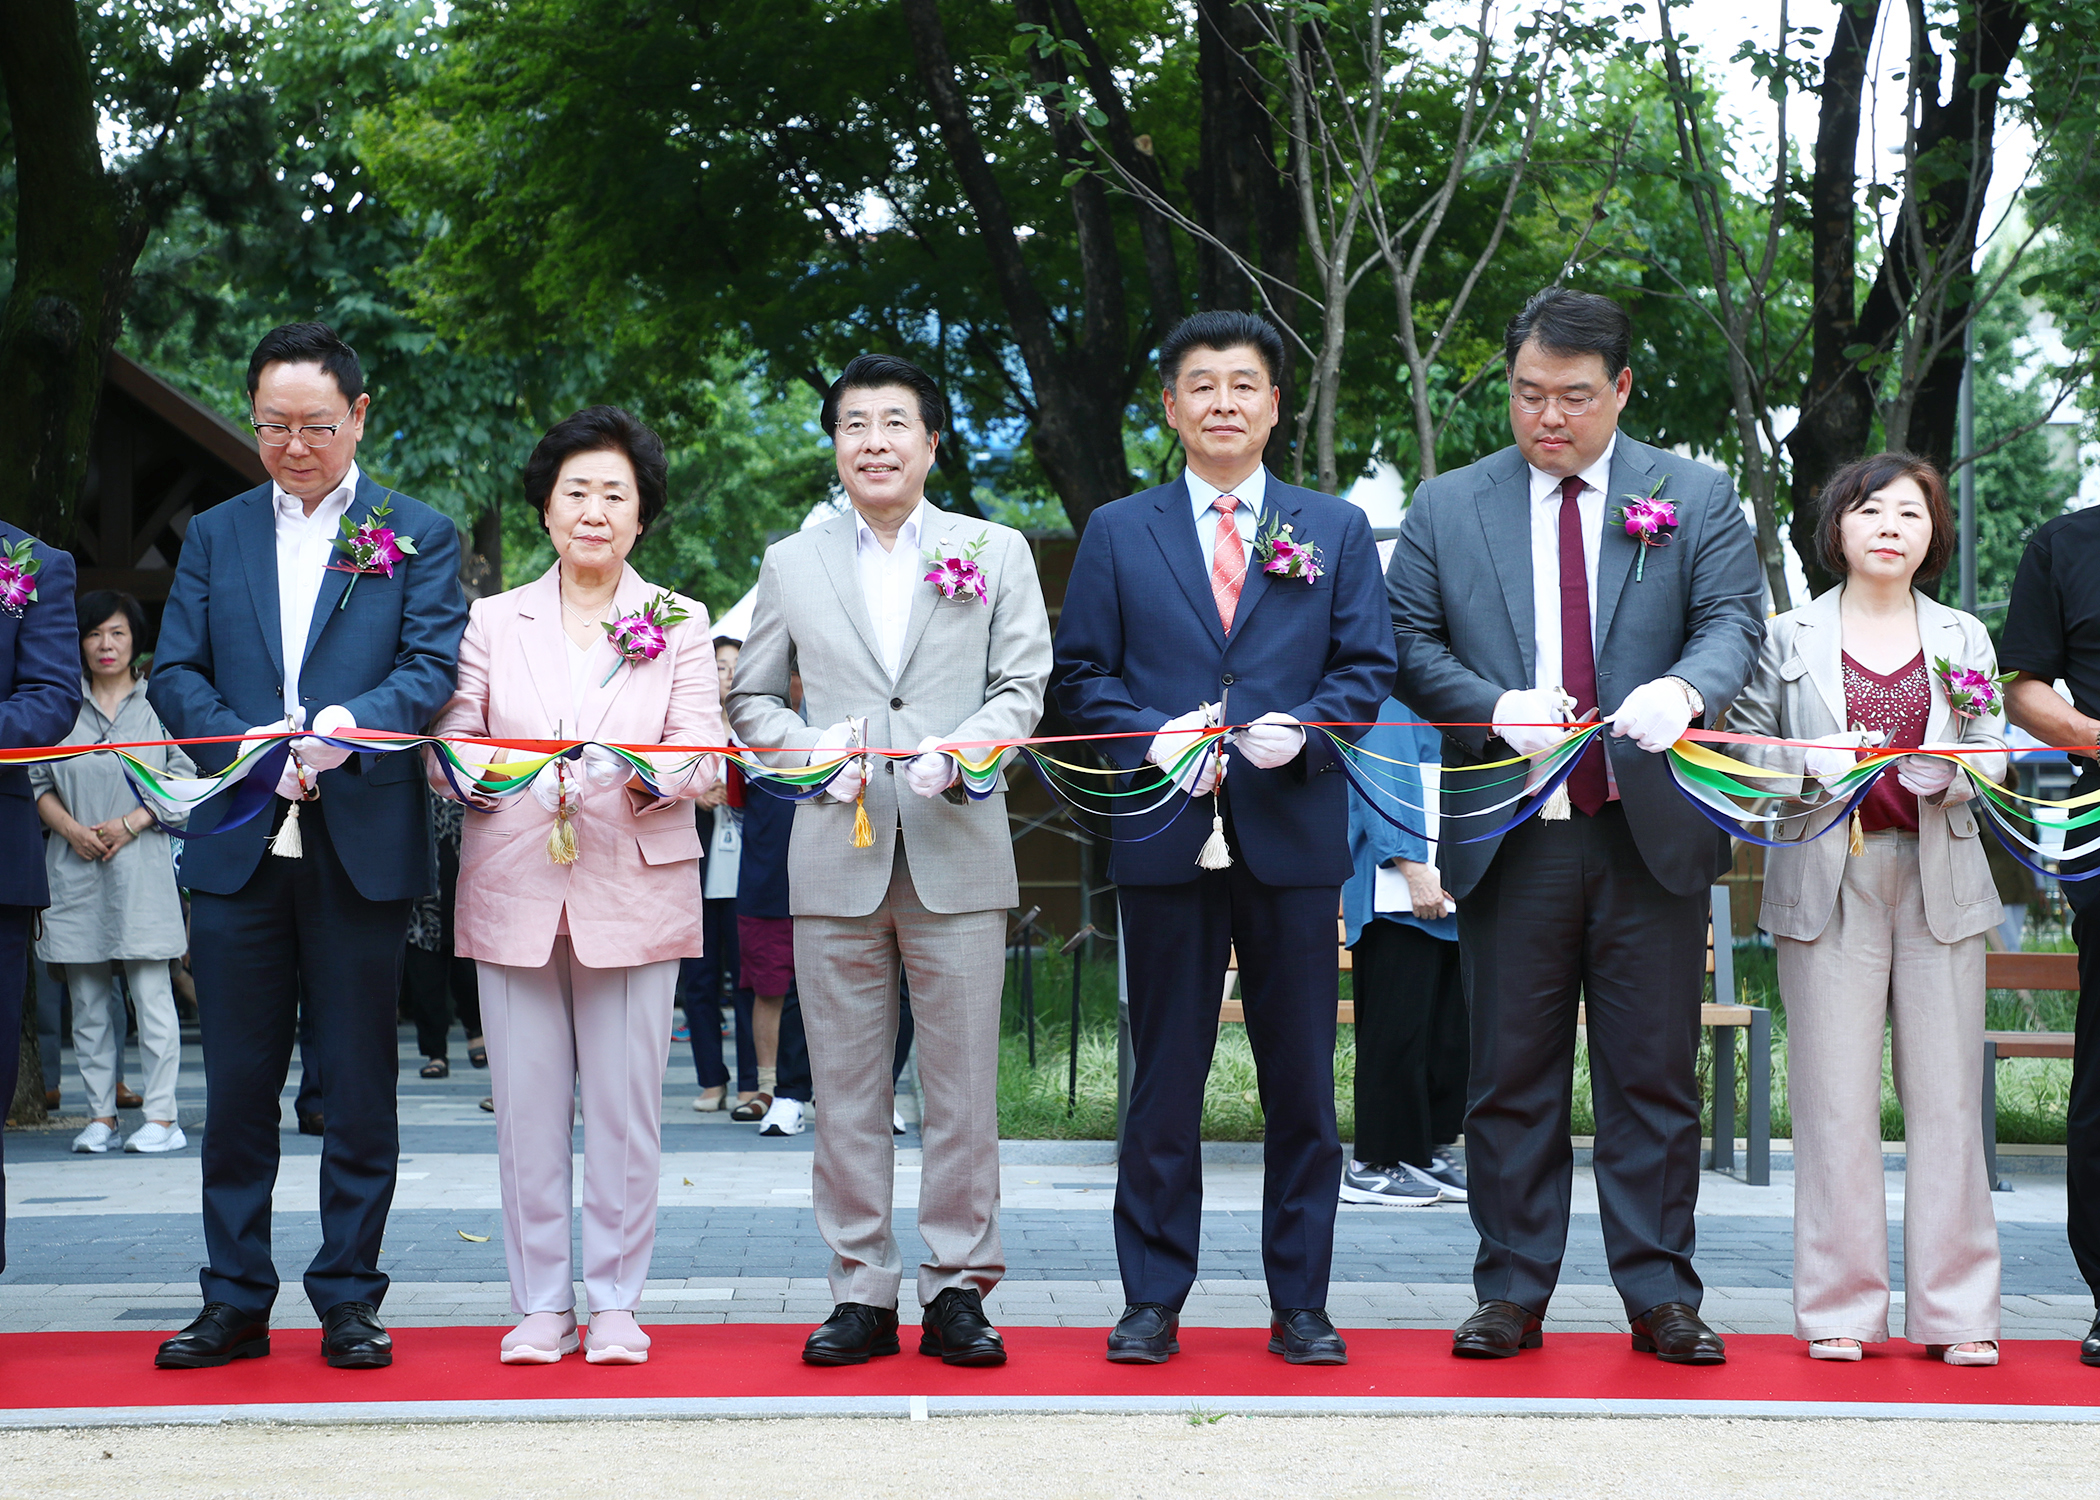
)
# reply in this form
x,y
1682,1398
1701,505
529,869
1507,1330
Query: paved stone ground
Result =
x,y
112,1242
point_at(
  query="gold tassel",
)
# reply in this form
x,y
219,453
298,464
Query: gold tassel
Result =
x,y
561,841
1556,809
286,843
863,830
1859,835
1215,855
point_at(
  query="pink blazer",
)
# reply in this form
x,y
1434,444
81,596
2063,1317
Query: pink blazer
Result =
x,y
633,894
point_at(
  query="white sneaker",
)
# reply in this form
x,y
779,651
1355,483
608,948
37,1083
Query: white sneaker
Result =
x,y
784,1118
96,1139
897,1126
154,1136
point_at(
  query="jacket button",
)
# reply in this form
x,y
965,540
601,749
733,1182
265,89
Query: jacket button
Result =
x,y
889,768
1227,679
896,703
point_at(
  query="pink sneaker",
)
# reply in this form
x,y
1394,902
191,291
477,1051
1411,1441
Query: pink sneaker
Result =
x,y
542,1339
615,1338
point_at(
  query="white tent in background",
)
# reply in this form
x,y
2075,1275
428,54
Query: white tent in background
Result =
x,y
735,621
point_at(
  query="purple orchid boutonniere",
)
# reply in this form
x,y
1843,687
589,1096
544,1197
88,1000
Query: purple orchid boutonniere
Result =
x,y
1649,520
1971,694
370,546
639,637
958,575
18,569
1282,555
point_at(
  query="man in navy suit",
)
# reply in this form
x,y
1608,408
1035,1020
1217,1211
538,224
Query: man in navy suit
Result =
x,y
1179,612
265,630
39,697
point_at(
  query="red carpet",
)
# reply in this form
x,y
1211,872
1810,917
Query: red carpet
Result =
x,y
759,1361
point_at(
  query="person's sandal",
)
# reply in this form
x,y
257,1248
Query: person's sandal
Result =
x,y
711,1101
1847,1349
478,1056
752,1110
437,1067
1974,1352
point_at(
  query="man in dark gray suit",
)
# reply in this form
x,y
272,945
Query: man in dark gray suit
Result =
x,y
1521,600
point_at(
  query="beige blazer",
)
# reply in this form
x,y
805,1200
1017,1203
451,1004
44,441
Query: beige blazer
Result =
x,y
633,894
971,671
1798,693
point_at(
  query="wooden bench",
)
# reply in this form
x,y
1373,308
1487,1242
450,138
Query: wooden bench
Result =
x,y
2019,971
1723,1020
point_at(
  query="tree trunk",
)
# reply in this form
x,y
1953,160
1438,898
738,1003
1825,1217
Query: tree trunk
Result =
x,y
27,1107
481,560
75,245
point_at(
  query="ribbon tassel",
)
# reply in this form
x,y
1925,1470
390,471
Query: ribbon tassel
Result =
x,y
863,830
287,843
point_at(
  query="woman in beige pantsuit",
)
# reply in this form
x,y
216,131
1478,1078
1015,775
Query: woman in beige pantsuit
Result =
x,y
1882,920
578,961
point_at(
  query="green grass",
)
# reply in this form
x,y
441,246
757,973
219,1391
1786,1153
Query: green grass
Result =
x,y
2032,1092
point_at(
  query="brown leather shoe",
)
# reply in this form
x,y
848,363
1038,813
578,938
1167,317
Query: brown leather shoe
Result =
x,y
127,1098
1497,1330
1673,1333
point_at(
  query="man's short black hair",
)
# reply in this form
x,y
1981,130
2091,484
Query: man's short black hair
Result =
x,y
308,343
601,429
865,372
1566,323
96,605
1220,330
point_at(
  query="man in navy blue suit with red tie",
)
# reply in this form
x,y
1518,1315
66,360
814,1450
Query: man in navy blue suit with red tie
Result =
x,y
1192,603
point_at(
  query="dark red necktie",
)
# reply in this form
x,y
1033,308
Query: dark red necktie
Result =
x,y
1587,787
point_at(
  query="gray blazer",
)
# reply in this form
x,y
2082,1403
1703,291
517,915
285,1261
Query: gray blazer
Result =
x,y
970,671
1799,694
1460,589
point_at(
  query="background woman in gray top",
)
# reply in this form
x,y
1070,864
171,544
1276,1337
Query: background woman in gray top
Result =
x,y
113,896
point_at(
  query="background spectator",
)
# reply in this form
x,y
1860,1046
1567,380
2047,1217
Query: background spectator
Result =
x,y
436,983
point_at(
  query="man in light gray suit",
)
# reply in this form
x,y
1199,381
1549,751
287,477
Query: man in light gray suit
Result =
x,y
889,657
1518,594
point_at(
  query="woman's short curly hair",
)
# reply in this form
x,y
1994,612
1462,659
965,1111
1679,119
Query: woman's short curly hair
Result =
x,y
1849,488
601,429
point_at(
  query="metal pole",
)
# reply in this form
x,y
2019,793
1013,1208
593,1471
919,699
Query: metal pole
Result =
x,y
1076,949
1966,479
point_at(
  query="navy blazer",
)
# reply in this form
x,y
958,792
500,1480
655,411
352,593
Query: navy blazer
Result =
x,y
39,700
1139,643
390,656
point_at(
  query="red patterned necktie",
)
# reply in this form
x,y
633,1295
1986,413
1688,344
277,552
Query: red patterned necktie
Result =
x,y
1587,786
1228,561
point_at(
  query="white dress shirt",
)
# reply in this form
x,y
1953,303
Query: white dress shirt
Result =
x,y
305,547
1246,515
888,580
1545,569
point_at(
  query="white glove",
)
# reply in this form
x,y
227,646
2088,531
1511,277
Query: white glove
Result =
x,y
1925,775
1270,741
1655,715
257,731
931,772
1519,715
1837,754
1200,776
312,752
847,784
555,780
603,768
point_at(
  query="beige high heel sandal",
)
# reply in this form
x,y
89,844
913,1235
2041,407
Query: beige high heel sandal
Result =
x,y
1846,1349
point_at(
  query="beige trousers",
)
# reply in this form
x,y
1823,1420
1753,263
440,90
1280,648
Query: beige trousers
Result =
x,y
98,1033
1878,962
547,1030
846,970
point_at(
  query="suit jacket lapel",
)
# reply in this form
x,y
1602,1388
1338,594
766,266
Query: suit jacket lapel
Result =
x,y
1632,472
1504,509
599,691
1279,508
546,646
837,541
334,581
257,530
1174,529
1940,634
1823,653
939,531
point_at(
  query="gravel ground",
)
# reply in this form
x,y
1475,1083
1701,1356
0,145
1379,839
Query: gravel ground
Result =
x,y
1132,1458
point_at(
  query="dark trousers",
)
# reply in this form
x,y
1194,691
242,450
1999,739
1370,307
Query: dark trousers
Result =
x,y
438,985
1568,913
703,984
2082,1117
1176,938
1410,1043
16,923
297,929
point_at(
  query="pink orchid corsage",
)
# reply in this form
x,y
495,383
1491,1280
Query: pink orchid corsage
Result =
x,y
1649,520
371,546
1284,556
18,568
958,575
1971,694
639,637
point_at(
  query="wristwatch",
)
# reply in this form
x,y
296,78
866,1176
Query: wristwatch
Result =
x,y
1692,696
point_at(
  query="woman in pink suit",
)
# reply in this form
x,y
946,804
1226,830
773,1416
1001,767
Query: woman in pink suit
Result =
x,y
578,901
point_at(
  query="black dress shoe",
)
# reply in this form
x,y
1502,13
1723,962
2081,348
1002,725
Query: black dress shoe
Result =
x,y
1145,1335
353,1338
1673,1333
1497,1330
2089,1351
956,1329
1305,1336
311,1123
854,1333
221,1333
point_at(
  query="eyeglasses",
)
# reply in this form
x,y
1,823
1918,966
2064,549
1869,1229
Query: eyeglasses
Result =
x,y
277,435
1570,406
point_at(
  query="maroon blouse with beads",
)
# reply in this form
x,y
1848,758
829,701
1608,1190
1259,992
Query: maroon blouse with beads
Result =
x,y
1899,704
